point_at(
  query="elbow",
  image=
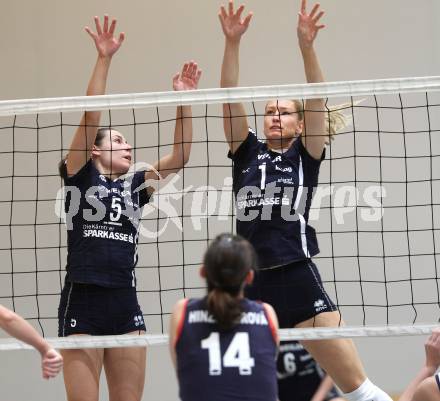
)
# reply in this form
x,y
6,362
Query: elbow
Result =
x,y
180,159
7,318
185,160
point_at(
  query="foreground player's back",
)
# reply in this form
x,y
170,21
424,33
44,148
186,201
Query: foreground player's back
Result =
x,y
220,365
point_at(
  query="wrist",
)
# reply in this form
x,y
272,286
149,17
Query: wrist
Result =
x,y
43,348
430,370
105,59
233,42
306,48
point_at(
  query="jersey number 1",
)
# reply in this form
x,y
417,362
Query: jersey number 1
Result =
x,y
262,167
236,356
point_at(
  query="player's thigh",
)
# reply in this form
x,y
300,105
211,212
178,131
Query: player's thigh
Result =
x,y
125,372
81,370
339,356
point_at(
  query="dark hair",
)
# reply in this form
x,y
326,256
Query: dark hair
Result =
x,y
62,168
227,262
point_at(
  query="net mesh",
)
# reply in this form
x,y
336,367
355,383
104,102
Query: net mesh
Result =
x,y
376,210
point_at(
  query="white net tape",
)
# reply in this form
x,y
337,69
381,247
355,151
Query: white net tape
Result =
x,y
284,334
211,96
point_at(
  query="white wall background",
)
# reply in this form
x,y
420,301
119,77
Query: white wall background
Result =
x,y
46,53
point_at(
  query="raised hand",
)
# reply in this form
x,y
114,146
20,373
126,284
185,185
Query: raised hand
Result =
x,y
432,350
51,363
188,78
308,27
232,24
106,44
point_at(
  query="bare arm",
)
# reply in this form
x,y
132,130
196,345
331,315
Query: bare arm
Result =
x,y
432,362
188,79
235,123
17,327
175,320
274,319
427,391
84,138
313,137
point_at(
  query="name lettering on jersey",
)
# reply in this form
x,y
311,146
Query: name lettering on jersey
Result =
x,y
102,190
251,318
200,316
107,234
263,156
305,358
291,347
284,169
285,201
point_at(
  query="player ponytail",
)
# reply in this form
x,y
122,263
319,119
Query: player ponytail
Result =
x,y
335,117
227,262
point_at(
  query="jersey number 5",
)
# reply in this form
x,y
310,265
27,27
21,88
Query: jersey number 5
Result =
x,y
237,355
116,206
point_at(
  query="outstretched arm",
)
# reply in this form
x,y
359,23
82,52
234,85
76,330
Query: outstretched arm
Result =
x,y
234,115
188,79
313,137
175,322
16,326
432,362
106,45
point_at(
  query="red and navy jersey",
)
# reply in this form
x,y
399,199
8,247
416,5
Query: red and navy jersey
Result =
x,y
102,218
215,365
299,376
273,193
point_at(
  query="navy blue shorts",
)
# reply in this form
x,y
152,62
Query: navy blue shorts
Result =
x,y
295,291
299,389
98,311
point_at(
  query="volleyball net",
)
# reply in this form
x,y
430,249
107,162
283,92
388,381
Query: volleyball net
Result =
x,y
376,209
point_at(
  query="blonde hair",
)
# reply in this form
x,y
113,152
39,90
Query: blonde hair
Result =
x,y
335,119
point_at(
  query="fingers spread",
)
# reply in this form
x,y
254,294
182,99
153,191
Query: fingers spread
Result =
x,y
303,6
318,17
105,23
231,7
112,27
247,20
90,32
98,26
314,10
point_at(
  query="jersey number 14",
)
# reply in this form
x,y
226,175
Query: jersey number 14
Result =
x,y
237,355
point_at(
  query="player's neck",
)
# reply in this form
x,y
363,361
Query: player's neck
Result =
x,y
112,175
280,145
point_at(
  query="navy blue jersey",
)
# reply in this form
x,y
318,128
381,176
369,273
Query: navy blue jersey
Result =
x,y
273,193
102,217
238,364
299,376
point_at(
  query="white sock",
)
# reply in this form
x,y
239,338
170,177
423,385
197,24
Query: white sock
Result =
x,y
367,391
